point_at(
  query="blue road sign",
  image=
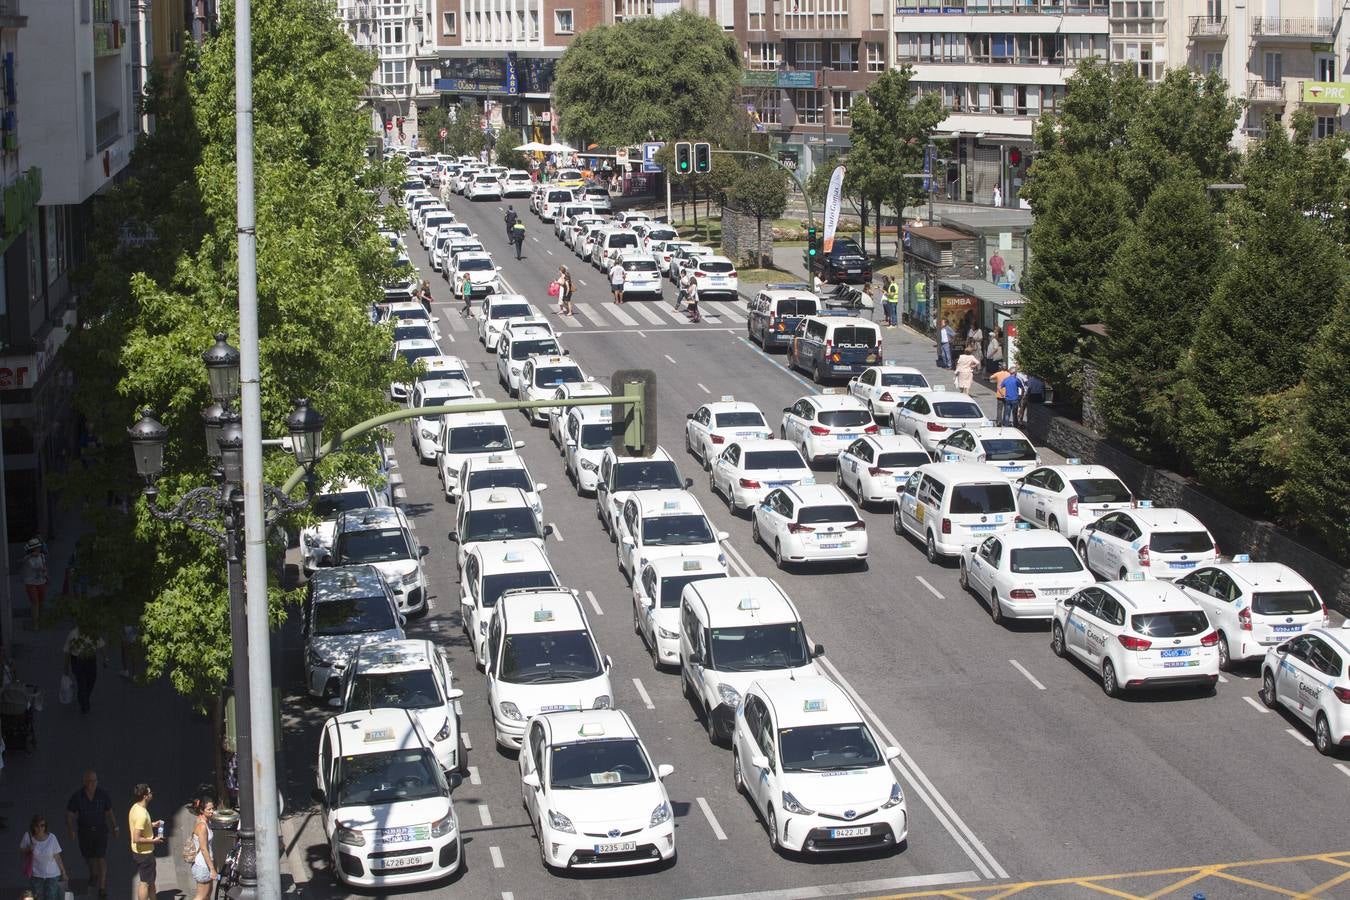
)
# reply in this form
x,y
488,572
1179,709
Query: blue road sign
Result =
x,y
649,151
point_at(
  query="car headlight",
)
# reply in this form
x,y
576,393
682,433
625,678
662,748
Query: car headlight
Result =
x,y
482,627
410,578
318,661
660,815
601,702
511,711
444,733
515,370
668,635
428,435
558,822
730,696
791,805
897,797
442,827
588,465
350,836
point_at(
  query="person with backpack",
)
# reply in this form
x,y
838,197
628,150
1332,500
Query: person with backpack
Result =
x,y
197,850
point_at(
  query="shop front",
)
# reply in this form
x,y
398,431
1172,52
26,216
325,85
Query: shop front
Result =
x,y
514,87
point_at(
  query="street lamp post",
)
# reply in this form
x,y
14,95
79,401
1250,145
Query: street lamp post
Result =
x,y
218,512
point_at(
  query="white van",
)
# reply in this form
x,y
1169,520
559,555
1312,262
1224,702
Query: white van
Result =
x,y
949,506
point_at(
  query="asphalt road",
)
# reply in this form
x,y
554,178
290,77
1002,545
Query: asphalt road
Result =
x,y
1015,764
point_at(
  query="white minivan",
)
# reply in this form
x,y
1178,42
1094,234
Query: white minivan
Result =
x,y
950,506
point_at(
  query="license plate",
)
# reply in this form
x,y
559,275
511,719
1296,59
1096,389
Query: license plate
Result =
x,y
616,847
1055,592
1013,468
1181,664
777,483
1178,651
860,831
845,437
853,271
901,479
1181,565
831,546
559,707
980,527
399,862
1287,628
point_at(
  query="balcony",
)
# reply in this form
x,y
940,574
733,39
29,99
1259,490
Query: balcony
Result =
x,y
11,15
108,38
1265,92
1209,28
107,129
1272,28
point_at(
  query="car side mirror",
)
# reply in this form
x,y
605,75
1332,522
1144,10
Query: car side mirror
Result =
x,y
402,620
475,384
569,353
336,702
688,483
694,659
454,694
531,780
723,535
498,268
609,663
665,770
818,650
571,443
519,444
541,487
325,560
590,378
892,753
759,761
454,779
423,550
787,409
1070,603
453,536
318,796
548,529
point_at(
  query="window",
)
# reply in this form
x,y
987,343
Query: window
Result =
x,y
393,72
806,55
1213,62
1326,68
807,104
426,76
842,108
754,15
1326,126
1274,68
876,56
763,57
562,21
447,23
843,56
767,104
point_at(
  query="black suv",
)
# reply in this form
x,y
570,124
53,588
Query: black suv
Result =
x,y
846,262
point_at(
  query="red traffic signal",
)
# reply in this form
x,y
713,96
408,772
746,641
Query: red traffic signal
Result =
x,y
388,126
1014,157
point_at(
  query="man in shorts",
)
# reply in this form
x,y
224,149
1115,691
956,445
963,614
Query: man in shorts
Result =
x,y
89,817
143,840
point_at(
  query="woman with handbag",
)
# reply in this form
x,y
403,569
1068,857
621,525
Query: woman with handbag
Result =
x,y
564,291
197,851
42,862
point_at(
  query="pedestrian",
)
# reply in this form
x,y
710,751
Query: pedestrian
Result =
x,y
616,279
82,651
944,359
1012,278
466,293
1000,402
564,291
1023,398
998,196
129,647
42,861
426,294
518,236
997,267
511,219
965,368
198,850
993,355
145,836
686,291
90,820
976,340
34,569
1012,396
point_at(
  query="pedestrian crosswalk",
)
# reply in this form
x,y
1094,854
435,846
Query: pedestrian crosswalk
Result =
x,y
634,315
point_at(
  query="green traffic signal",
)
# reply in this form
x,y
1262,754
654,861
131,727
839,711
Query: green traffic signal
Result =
x,y
811,241
683,157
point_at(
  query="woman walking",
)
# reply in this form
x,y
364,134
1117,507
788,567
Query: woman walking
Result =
x,y
564,291
965,367
42,862
198,848
35,577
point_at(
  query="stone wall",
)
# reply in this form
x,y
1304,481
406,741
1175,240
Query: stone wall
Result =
x,y
739,242
1235,532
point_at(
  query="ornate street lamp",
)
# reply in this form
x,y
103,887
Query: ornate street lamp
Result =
x,y
222,369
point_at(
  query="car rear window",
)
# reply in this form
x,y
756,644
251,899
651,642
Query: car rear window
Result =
x,y
845,418
660,234
814,515
639,265
716,265
903,379
911,460
1008,449
797,306
559,196
1183,623
1100,490
739,419
855,336
1180,542
623,239
981,498
1285,603
774,459
957,410
1044,561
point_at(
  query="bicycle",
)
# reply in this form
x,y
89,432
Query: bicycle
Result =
x,y
228,871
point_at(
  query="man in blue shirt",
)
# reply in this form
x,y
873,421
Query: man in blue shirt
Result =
x,y
1012,395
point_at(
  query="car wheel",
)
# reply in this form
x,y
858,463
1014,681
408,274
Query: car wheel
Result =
x,y
930,549
711,728
688,447
707,461
736,776
778,555
1110,686
871,410
1057,645
995,608
1322,736
1225,661
1054,524
963,576
1268,690
754,530
656,655
815,374
1082,553
636,628
712,484
772,822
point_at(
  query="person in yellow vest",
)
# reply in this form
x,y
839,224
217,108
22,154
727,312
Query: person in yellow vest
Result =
x,y
145,835
892,302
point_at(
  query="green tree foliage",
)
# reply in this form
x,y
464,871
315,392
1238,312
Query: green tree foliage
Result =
x,y
890,129
663,78
509,155
760,190
464,134
162,286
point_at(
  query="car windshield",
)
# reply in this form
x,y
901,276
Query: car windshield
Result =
x,y
716,265
797,306
957,410
409,312
438,399
496,585
774,459
548,376
478,438
828,748
819,515
327,506
598,763
413,689
739,420
412,331
509,524
672,587
654,475
474,264
903,379
1007,449
1285,603
676,531
845,418
1100,490
1182,623
548,657
911,460
1180,542
508,310
499,478
373,779
526,349
412,354
372,545
1044,561
596,436
354,615
982,498
759,647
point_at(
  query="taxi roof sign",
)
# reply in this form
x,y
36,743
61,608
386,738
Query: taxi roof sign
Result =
x,y
815,706
886,431
692,565
1242,557
495,497
808,481
1023,526
728,398
831,390
543,615
748,603
1135,576
513,556
591,729
372,735
937,387
671,504
1145,504
495,458
1073,461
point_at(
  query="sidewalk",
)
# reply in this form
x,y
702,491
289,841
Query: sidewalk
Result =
x,y
132,734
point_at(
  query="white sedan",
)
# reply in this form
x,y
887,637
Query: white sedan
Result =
x,y
661,524
999,447
708,428
541,376
883,388
657,590
812,523
929,416
875,467
747,470
1022,573
557,417
821,425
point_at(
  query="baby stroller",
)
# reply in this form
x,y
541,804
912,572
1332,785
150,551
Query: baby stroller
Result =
x,y
18,723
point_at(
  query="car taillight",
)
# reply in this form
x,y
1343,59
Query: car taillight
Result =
x,y
946,526
933,426
794,528
886,397
1342,694
819,429
874,471
1143,556
1022,594
717,439
859,525
1130,642
1073,506
700,274
748,483
1217,552
1245,619
871,429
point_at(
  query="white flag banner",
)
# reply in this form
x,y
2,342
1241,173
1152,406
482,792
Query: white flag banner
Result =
x,y
832,201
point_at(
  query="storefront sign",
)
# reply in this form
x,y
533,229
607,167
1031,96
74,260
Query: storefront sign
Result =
x,y
1330,92
796,79
15,373
759,79
21,200
955,306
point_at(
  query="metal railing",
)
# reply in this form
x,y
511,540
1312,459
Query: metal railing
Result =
x,y
107,129
1209,26
1266,92
1276,26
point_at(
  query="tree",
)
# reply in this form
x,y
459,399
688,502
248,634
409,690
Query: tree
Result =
x,y
760,190
890,129
655,78
464,135
431,122
509,155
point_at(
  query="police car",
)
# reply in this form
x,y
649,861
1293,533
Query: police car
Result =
x,y
411,351
1020,574
413,675
1137,634
520,340
386,808
557,415
1002,448
490,570
542,659
874,467
493,515
708,428
540,377
809,523
1253,606
587,434
813,770
622,475
746,471
1065,498
503,470
656,601
426,430
344,608
592,793
496,310
929,416
1308,676
316,539
1157,542
823,424
882,388
659,524
469,434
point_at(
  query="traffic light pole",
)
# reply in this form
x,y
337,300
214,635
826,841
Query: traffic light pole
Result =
x,y
810,213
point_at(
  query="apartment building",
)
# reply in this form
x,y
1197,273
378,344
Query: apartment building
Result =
x,y
400,34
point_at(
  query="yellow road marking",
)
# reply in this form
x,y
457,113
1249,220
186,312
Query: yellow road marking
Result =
x,y
1191,879
1251,882
1344,876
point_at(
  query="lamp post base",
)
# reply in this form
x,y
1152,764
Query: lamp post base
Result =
x,y
247,886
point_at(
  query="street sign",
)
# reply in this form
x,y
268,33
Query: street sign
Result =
x,y
546,116
444,134
388,126
621,156
649,151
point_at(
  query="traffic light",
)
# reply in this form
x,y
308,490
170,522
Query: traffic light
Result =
x,y
1014,157
683,158
811,240
634,429
702,158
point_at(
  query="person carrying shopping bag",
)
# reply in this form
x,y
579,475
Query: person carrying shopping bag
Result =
x,y
42,861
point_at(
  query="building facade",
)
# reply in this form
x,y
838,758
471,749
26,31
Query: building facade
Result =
x,y
400,34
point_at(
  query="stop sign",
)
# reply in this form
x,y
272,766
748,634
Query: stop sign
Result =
x,y
388,126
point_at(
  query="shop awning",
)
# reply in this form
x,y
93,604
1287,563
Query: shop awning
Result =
x,y
983,290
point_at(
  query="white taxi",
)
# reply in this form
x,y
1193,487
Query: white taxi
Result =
x,y
715,276
805,758
1137,634
517,343
708,428
470,434
490,570
540,377
882,388
1066,498
656,601
929,416
385,803
746,471
411,351
810,523
444,368
1157,542
557,417
587,434
592,793
425,430
999,447
876,466
494,516
497,308
541,659
621,475
484,276
661,524
1253,606
821,425
641,276
1308,676
316,539
503,470
1022,573
412,312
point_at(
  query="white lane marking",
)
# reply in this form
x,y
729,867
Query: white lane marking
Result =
x,y
642,334
534,238
468,744
961,833
932,590
594,604
395,478
548,251
702,388
712,820
617,312
400,493
1032,678
1345,770
496,854
671,358
459,709
589,313
507,895
645,312
1222,680
734,555
485,814
1298,737
854,888
1256,706
435,626
723,309
556,533
581,281
642,692
569,321
675,314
